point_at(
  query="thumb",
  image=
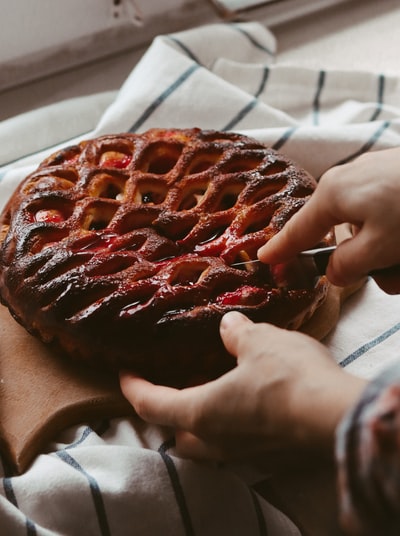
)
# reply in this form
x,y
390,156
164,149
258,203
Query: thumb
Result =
x,y
232,328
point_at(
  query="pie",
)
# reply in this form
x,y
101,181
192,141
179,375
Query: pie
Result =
x,y
125,251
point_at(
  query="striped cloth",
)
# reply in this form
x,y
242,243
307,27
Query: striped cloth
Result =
x,y
121,477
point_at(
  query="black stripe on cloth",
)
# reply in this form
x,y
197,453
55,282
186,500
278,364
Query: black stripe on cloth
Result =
x,y
163,96
94,489
367,146
252,104
370,344
253,41
379,99
176,486
185,48
262,525
316,102
284,138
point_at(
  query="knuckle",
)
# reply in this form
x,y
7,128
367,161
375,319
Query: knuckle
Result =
x,y
330,178
343,270
198,423
141,407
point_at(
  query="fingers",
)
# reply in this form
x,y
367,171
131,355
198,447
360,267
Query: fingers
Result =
x,y
361,193
165,406
154,403
293,238
352,260
304,229
366,252
347,264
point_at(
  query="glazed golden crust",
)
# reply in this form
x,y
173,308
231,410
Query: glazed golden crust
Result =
x,y
119,250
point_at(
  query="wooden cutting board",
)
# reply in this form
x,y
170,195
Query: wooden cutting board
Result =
x,y
41,395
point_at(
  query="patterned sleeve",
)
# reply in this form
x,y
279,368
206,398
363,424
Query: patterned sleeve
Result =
x,y
368,459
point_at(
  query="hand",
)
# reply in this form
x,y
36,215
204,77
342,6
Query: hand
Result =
x,y
286,392
364,193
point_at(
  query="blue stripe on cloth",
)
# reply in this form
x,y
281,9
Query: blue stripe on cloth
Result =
x,y
163,96
379,99
368,145
100,430
262,525
284,138
10,496
263,81
253,41
94,489
176,485
9,491
243,112
185,48
252,104
370,344
86,432
30,527
316,102
2,174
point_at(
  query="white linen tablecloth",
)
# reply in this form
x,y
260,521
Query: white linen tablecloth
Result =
x,y
121,477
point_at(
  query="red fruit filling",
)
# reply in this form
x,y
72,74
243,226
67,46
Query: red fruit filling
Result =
x,y
118,163
244,296
49,216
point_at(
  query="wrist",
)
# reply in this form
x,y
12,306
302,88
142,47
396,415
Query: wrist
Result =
x,y
319,411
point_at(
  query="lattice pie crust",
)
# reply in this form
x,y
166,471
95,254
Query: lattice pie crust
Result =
x,y
119,250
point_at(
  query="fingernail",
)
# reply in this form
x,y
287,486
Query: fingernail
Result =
x,y
261,252
231,319
125,373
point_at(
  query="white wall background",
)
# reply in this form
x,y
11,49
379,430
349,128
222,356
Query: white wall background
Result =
x,y
39,37
34,26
